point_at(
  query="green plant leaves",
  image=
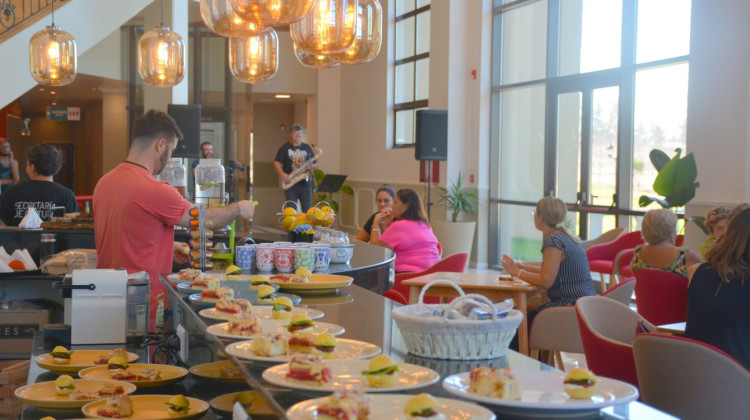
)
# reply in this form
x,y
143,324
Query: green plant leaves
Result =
x,y
659,158
677,175
457,199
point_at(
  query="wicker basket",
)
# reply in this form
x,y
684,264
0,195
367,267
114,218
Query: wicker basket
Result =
x,y
443,338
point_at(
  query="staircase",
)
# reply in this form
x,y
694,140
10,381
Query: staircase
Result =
x,y
88,21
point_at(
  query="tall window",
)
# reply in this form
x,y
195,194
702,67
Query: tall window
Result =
x,y
412,66
583,90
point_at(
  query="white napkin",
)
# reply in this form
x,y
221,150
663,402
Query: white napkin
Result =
x,y
24,256
4,256
31,220
4,267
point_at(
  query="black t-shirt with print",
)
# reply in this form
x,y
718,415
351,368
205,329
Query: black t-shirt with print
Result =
x,y
42,195
287,153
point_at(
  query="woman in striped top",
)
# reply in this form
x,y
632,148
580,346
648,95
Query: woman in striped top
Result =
x,y
564,272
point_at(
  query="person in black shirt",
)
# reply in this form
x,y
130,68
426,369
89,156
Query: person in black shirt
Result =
x,y
292,155
40,191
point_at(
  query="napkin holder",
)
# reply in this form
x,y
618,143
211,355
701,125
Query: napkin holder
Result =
x,y
98,306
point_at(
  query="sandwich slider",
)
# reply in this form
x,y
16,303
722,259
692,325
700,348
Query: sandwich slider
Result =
x,y
383,372
60,355
178,406
257,281
325,345
300,323
282,308
580,384
266,294
423,406
117,363
64,385
233,273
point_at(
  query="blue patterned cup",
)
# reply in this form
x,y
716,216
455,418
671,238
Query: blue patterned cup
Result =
x,y
244,256
304,257
322,256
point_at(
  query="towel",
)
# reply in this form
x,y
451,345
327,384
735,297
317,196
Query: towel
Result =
x,y
31,220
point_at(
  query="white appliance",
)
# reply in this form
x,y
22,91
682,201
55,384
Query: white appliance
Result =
x,y
98,313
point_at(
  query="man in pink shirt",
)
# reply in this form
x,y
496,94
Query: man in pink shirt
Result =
x,y
135,214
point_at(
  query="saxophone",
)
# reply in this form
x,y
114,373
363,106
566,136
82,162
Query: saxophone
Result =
x,y
301,173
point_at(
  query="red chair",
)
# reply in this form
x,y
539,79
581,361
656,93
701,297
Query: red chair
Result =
x,y
661,296
455,263
680,241
622,292
602,257
395,296
621,270
607,331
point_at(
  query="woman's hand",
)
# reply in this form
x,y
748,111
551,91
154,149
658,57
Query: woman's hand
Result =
x,y
510,265
384,218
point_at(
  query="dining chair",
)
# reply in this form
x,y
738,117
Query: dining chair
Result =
x,y
455,263
555,330
621,269
395,296
602,257
604,238
690,379
607,331
661,296
622,292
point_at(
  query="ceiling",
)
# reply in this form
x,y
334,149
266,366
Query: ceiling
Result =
x,y
85,88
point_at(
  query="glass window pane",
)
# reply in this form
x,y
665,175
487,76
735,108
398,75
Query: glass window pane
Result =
x,y
604,125
600,223
659,121
404,81
423,32
518,236
590,35
405,127
521,116
421,3
405,38
663,29
524,43
423,79
569,146
404,6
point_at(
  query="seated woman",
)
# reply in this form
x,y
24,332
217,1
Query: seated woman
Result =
x,y
564,272
716,222
384,200
409,235
719,291
659,230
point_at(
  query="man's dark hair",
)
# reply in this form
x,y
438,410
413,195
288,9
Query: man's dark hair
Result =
x,y
206,143
45,158
154,125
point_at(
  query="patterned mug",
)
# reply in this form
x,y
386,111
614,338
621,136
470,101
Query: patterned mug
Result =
x,y
284,259
264,258
304,257
244,256
322,256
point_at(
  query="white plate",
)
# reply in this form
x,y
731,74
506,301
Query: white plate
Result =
x,y
262,312
542,394
345,372
273,326
318,282
185,289
348,349
391,406
197,301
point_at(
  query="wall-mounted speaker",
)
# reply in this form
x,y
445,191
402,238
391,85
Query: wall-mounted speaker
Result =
x,y
431,135
188,118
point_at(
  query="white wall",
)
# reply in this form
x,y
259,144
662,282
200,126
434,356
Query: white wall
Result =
x,y
104,59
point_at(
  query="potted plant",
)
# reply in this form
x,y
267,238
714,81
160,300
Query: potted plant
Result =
x,y
456,235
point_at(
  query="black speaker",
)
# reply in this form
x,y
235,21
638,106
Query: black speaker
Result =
x,y
188,118
432,135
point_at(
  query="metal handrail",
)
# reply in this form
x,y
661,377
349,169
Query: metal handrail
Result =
x,y
15,12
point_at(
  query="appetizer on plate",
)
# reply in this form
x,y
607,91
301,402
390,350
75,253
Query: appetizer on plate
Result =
x,y
282,308
266,294
383,372
110,389
61,355
214,295
309,368
116,407
64,385
423,406
268,345
190,274
494,382
302,275
117,363
104,359
580,384
301,343
244,324
123,375
178,406
148,375
347,403
300,323
205,283
325,345
233,273
258,281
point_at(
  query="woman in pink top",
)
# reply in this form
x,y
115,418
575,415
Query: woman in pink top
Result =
x,y
409,235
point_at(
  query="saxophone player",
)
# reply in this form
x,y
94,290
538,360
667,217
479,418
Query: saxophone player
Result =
x,y
290,157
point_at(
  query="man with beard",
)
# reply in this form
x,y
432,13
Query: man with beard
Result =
x,y
135,214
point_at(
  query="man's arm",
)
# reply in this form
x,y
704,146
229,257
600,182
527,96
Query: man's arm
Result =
x,y
280,171
14,169
222,216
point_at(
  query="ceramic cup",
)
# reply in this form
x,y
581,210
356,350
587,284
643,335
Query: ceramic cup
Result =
x,y
244,256
264,258
322,256
284,259
304,257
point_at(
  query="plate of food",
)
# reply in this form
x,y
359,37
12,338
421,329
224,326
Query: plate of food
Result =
x,y
187,287
262,312
188,274
221,371
147,407
387,406
254,402
66,392
379,374
142,375
62,360
243,328
317,282
275,349
540,393
261,300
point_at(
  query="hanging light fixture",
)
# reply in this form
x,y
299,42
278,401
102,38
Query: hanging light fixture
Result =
x,y
53,58
328,28
368,36
161,56
271,12
254,59
220,17
314,61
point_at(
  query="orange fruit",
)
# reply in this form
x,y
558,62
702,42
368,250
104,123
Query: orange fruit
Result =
x,y
289,211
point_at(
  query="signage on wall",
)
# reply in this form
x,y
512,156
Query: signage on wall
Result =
x,y
64,113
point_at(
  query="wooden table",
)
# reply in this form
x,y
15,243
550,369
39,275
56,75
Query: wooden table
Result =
x,y
486,284
678,328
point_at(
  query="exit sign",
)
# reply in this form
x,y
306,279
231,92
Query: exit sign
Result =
x,y
64,113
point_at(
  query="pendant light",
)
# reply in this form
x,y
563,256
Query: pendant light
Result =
x,y
271,12
220,17
254,59
328,28
368,36
161,56
53,58
314,61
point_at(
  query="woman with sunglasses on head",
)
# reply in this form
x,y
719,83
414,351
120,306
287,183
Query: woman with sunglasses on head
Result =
x,y
384,197
9,175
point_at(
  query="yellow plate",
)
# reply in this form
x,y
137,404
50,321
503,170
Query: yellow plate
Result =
x,y
169,374
260,407
150,407
80,359
43,394
318,282
212,371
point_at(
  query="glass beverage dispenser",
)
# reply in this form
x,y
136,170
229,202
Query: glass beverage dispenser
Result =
x,y
209,183
176,174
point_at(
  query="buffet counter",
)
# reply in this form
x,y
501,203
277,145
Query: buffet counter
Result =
x,y
366,318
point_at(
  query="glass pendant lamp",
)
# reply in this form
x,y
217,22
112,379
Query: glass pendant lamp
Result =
x,y
314,61
53,58
271,12
254,59
328,28
220,17
161,56
368,36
